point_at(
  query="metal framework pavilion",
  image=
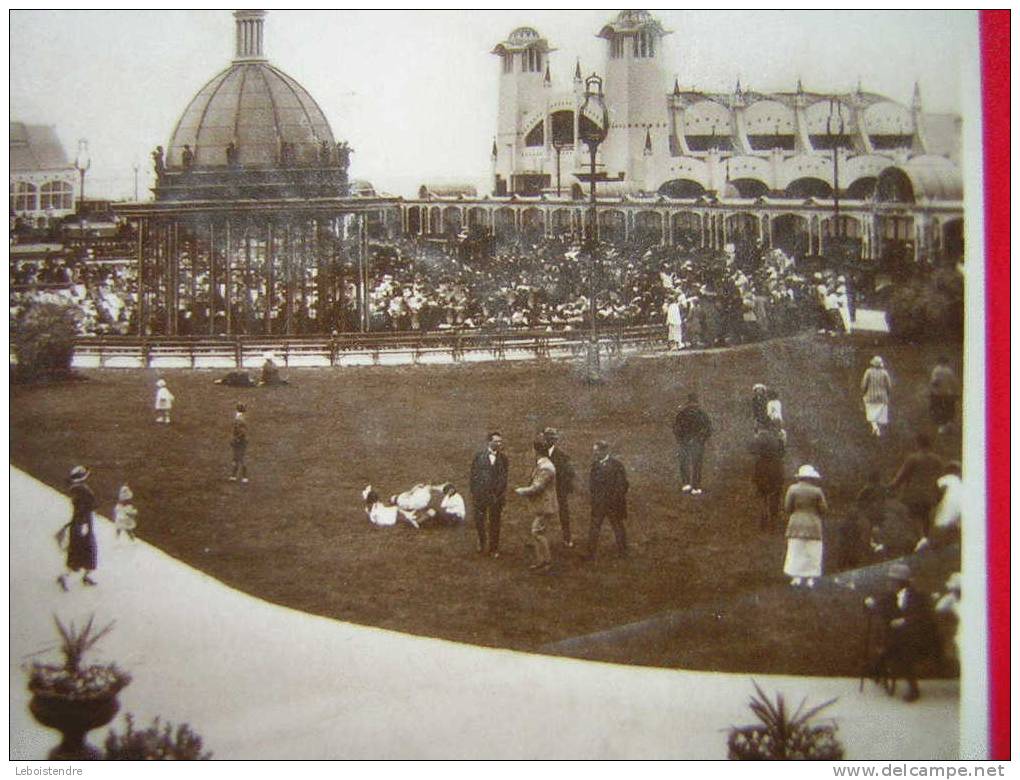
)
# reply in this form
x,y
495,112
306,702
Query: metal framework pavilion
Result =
x,y
277,266
253,228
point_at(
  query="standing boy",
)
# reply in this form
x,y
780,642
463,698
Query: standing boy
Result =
x,y
239,445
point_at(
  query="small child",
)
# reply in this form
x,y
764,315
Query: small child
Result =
x,y
125,513
239,444
164,402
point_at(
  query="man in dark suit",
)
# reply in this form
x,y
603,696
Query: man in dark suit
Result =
x,y
489,471
608,486
692,429
564,481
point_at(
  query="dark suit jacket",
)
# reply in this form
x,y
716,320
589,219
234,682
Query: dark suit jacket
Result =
x,y
488,480
608,485
692,424
564,472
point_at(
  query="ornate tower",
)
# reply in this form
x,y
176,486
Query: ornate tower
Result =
x,y
523,59
636,84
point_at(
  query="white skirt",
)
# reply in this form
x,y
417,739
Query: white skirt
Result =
x,y
803,558
877,413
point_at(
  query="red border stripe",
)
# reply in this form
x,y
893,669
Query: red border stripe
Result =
x,y
995,95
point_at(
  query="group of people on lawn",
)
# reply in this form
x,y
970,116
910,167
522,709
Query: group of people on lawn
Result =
x,y
928,510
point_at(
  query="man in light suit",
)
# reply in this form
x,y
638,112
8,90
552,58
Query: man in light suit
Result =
x,y
564,481
608,486
541,494
489,471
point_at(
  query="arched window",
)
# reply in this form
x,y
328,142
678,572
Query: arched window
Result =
x,y
508,62
616,47
644,44
23,196
56,195
533,61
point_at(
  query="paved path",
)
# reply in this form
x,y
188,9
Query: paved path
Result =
x,y
260,681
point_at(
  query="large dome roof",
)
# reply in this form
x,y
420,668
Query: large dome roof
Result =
x,y
258,108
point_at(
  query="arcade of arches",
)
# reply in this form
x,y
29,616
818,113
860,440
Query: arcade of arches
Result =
x,y
875,231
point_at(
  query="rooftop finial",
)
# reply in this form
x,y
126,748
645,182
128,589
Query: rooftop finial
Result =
x,y
548,77
676,86
648,141
248,25
800,86
577,70
917,94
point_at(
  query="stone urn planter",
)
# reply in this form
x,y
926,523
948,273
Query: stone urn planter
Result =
x,y
73,698
73,718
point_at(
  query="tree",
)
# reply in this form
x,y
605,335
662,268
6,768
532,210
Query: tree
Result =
x,y
43,338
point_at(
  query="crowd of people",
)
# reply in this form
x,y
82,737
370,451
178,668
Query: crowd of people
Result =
x,y
706,297
103,295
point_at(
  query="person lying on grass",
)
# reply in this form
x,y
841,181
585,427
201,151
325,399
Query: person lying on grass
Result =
x,y
421,506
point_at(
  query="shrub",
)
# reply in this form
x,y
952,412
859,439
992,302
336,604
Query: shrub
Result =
x,y
43,339
156,743
782,736
928,308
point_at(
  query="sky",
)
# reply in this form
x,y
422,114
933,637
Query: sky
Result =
x,y
415,92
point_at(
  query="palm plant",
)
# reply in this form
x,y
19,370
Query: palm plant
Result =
x,y
72,680
782,736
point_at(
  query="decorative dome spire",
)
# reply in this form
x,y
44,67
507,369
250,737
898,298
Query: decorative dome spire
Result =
x,y
648,142
577,70
248,33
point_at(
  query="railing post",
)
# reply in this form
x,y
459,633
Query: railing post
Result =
x,y
146,354
238,356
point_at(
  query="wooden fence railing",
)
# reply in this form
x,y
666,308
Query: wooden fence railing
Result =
x,y
359,348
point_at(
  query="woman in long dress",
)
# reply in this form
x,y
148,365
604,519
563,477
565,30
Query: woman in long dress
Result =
x,y
876,386
82,554
805,503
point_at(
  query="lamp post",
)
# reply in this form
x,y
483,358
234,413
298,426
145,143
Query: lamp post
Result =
x,y
835,142
592,135
83,161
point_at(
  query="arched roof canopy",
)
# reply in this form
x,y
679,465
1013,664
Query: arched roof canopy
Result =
x,y
923,178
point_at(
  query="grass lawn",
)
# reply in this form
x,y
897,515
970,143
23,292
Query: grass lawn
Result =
x,y
298,535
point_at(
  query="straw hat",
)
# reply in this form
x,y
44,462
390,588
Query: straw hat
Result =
x,y
125,493
78,474
954,582
759,386
551,433
269,356
160,383
877,362
808,472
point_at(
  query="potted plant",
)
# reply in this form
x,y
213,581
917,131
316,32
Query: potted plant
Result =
x,y
781,736
156,743
73,698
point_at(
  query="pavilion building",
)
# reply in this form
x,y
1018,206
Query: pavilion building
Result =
x,y
697,167
254,228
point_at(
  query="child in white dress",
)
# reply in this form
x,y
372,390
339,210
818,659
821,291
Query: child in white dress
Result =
x,y
125,513
164,402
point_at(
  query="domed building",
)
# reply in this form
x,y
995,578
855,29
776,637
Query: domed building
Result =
x,y
253,229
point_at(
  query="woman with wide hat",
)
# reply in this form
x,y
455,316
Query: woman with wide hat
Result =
x,y
805,504
81,538
876,385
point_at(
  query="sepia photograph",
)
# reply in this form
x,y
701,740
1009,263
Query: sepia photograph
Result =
x,y
589,385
